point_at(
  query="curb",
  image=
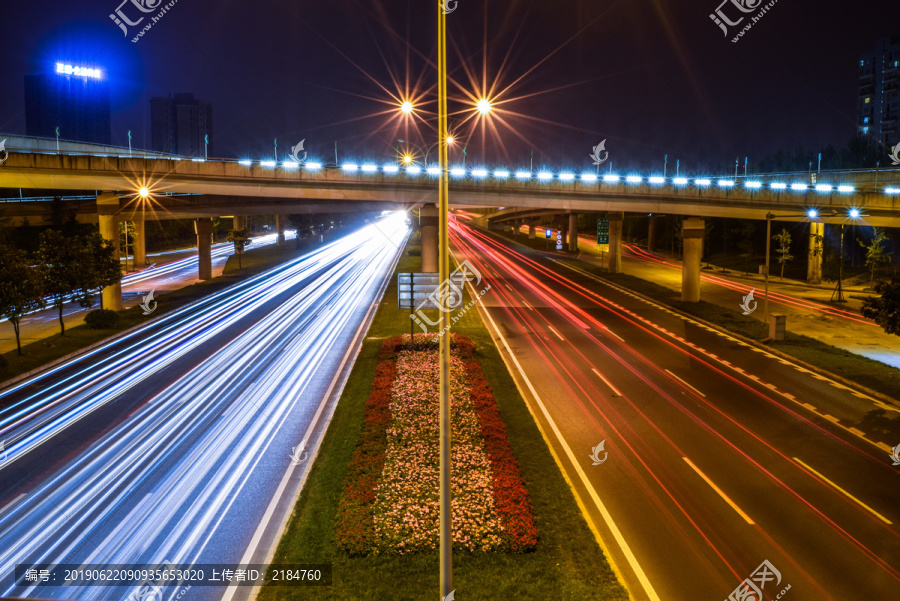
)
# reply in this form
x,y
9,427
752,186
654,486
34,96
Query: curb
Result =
x,y
6,384
769,349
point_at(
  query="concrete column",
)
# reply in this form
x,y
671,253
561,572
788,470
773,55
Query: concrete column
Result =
x,y
239,222
692,231
531,232
139,243
204,229
653,232
573,232
279,225
107,211
428,221
615,241
816,244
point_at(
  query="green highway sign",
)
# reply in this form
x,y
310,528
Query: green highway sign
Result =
x,y
602,230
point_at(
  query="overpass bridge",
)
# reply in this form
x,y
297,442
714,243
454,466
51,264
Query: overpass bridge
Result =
x,y
203,188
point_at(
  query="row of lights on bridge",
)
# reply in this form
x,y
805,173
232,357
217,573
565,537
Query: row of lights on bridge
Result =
x,y
546,176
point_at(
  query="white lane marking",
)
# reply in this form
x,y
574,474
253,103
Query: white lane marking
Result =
x,y
848,495
557,333
607,518
270,510
611,333
608,383
686,384
719,490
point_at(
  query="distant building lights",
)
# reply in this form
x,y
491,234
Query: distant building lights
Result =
x,y
66,69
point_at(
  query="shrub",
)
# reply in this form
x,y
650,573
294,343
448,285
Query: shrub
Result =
x,y
102,319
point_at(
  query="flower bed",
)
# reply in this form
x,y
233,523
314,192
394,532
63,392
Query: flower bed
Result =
x,y
390,501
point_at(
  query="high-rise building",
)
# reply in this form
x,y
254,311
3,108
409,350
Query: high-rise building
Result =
x,y
879,92
180,125
74,99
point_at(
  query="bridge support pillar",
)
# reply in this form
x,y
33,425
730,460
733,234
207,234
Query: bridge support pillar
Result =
x,y
107,210
816,244
139,244
615,241
653,232
531,232
279,226
573,232
692,235
428,221
239,224
204,228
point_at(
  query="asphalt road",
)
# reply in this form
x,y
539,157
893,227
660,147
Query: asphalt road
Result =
x,y
175,443
716,456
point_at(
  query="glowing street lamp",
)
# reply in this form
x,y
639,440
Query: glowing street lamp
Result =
x,y
450,139
406,107
484,107
144,192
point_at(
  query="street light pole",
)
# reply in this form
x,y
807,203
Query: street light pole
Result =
x,y
446,540
769,217
838,294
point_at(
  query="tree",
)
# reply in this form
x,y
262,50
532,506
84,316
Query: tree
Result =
x,y
745,232
783,240
241,239
97,267
20,288
875,252
885,309
58,260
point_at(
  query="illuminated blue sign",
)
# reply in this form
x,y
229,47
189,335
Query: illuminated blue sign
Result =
x,y
65,69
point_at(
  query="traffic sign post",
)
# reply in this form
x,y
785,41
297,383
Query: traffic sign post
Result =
x,y
547,234
559,243
602,235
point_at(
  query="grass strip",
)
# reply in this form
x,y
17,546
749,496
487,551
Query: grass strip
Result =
x,y
568,563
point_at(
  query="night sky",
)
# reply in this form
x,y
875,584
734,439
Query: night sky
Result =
x,y
653,77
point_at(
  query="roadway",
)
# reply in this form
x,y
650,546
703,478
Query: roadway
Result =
x,y
169,270
808,307
720,455
173,443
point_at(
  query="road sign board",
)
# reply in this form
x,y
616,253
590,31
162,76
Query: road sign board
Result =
x,y
547,232
414,288
602,230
